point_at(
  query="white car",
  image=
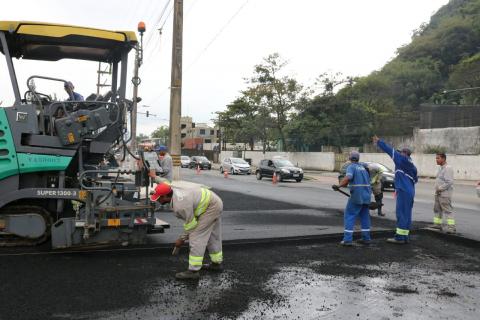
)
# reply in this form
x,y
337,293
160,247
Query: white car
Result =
x,y
185,161
235,166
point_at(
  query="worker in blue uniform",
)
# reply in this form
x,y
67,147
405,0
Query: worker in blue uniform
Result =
x,y
405,179
358,181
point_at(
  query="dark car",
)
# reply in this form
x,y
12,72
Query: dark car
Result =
x,y
387,177
283,169
201,162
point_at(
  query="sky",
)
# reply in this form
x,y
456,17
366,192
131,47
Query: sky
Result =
x,y
222,42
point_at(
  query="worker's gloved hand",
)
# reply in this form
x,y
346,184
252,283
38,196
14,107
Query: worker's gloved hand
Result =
x,y
179,243
151,173
335,187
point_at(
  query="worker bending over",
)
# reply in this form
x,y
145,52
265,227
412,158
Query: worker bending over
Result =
x,y
358,181
376,184
201,209
405,179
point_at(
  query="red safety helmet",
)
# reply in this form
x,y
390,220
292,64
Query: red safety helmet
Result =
x,y
160,190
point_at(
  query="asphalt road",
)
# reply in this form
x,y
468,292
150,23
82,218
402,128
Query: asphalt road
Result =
x,y
429,279
435,277
318,194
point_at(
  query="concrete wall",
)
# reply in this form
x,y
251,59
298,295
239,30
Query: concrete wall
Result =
x,y
454,140
466,167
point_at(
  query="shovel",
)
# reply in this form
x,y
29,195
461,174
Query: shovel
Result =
x,y
371,206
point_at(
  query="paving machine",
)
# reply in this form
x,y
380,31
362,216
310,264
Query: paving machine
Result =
x,y
58,180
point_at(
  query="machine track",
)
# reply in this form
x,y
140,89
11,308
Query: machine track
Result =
x,y
9,240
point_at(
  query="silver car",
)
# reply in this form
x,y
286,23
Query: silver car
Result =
x,y
235,166
185,161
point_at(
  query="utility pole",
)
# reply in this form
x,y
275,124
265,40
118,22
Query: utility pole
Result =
x,y
176,88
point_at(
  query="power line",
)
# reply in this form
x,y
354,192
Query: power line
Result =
x,y
157,22
209,44
217,34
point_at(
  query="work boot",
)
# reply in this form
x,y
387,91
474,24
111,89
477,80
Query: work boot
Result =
x,y
451,230
346,243
397,241
364,242
188,275
381,214
215,267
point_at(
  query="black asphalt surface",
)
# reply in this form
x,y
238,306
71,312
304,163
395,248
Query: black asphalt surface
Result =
x,y
429,279
301,279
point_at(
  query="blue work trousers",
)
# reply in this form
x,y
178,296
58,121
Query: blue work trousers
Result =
x,y
352,211
404,214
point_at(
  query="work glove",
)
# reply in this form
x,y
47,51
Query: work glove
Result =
x,y
179,243
335,187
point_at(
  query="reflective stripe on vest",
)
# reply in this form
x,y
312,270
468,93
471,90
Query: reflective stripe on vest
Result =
x,y
406,174
191,225
204,202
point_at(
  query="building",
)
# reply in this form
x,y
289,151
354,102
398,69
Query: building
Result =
x,y
198,136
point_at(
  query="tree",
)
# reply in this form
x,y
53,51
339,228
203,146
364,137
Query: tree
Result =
x,y
141,137
161,133
277,94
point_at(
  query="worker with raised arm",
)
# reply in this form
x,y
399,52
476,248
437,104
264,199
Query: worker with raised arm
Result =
x,y
201,209
405,180
358,181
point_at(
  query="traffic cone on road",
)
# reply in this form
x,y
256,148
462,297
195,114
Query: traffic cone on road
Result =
x,y
225,174
198,169
274,178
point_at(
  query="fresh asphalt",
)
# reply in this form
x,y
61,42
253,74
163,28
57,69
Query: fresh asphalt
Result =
x,y
317,194
310,278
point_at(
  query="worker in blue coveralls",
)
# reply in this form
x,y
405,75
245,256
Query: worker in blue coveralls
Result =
x,y
405,179
358,181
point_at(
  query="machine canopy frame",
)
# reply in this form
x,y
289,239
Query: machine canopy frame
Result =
x,y
53,42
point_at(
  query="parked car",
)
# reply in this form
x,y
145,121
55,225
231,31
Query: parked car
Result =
x,y
387,177
200,161
283,168
185,161
235,166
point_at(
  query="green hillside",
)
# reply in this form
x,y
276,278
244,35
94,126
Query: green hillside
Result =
x,y
443,55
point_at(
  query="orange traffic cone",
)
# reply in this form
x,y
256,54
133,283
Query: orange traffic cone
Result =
x,y
225,174
274,178
198,169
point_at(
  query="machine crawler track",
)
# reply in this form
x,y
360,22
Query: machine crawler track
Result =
x,y
10,240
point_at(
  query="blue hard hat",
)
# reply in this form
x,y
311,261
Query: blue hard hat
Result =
x,y
161,148
354,156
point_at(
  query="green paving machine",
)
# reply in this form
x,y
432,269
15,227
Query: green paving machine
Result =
x,y
58,178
